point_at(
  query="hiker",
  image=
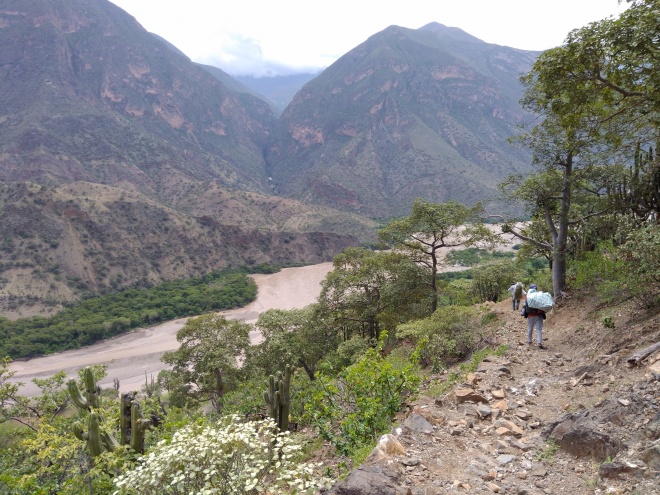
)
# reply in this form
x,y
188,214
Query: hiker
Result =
x,y
517,294
534,317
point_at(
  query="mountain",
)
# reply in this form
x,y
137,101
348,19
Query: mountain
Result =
x,y
60,243
278,90
87,94
406,114
123,163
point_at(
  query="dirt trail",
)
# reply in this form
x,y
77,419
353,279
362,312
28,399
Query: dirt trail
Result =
x,y
488,434
129,357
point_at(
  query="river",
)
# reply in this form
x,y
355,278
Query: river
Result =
x,y
135,356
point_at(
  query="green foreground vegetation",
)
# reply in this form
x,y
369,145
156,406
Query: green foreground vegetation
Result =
x,y
107,316
340,369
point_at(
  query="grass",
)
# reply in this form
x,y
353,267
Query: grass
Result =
x,y
548,453
464,368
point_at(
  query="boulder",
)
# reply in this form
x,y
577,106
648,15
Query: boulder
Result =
x,y
371,480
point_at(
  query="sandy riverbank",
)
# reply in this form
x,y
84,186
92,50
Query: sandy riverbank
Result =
x,y
129,357
132,356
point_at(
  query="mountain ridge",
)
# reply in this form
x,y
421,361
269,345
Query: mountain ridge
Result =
x,y
422,123
89,98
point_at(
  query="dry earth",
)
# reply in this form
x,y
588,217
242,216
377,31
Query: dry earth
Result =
x,y
569,419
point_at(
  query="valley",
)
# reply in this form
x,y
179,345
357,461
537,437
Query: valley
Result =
x,y
135,355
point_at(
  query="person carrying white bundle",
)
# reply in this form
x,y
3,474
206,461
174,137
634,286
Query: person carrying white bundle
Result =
x,y
534,309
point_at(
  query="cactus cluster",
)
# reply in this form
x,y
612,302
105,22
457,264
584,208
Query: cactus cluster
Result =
x,y
278,397
132,424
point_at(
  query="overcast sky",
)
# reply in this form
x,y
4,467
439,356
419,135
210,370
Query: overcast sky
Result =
x,y
257,37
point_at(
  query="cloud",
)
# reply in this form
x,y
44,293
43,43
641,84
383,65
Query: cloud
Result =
x,y
240,55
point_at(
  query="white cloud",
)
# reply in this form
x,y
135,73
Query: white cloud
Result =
x,y
297,35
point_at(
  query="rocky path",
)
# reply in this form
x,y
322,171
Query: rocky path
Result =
x,y
570,419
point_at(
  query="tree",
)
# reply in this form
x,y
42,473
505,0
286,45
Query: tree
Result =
x,y
207,362
47,457
492,279
430,229
366,289
297,337
597,99
29,411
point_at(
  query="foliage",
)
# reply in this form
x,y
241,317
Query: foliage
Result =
x,y
355,408
458,292
596,94
296,337
550,450
231,458
206,363
641,264
599,270
474,256
491,280
629,269
430,228
369,290
247,398
448,334
29,411
46,457
107,316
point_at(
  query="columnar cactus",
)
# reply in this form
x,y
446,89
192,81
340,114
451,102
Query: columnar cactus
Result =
x,y
97,440
132,425
138,426
91,399
278,398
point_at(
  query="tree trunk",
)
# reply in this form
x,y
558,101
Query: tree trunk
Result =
x,y
219,390
637,358
560,235
434,287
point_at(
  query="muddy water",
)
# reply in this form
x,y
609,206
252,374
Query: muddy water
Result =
x,y
136,355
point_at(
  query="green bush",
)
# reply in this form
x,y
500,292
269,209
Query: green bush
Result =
x,y
447,335
640,259
458,292
599,270
355,408
491,281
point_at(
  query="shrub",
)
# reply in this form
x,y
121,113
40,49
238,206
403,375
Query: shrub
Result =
x,y
448,334
491,281
232,458
641,264
354,409
457,293
600,270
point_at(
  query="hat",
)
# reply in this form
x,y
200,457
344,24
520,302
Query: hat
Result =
x,y
532,286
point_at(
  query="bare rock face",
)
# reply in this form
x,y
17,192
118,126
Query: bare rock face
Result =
x,y
582,440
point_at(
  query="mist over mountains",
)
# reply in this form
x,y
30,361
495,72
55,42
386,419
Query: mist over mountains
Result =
x,y
112,141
